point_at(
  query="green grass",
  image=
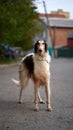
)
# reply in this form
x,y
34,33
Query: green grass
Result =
x,y
4,60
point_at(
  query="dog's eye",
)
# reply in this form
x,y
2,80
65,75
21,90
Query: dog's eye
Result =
x,y
43,43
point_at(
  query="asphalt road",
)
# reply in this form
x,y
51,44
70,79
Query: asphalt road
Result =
x,y
22,117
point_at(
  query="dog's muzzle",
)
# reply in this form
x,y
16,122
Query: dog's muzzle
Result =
x,y
40,50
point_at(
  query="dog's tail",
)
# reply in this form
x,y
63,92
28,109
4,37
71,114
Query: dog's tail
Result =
x,y
16,82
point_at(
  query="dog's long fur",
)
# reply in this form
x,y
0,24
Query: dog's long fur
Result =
x,y
37,67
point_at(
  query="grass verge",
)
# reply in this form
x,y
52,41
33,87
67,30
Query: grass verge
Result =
x,y
4,60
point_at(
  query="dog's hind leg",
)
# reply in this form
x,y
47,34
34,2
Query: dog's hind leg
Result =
x,y
40,99
23,76
20,95
23,86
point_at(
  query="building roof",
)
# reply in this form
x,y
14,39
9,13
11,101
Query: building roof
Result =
x,y
58,22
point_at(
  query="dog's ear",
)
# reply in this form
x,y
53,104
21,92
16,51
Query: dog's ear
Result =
x,y
46,46
35,47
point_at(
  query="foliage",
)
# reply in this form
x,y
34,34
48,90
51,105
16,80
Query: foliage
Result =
x,y
18,22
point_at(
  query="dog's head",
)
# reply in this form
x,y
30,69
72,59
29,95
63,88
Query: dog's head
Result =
x,y
40,47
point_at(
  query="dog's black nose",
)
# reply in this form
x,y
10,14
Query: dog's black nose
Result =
x,y
40,50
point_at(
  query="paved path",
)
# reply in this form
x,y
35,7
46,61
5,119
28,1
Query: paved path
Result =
x,y
22,117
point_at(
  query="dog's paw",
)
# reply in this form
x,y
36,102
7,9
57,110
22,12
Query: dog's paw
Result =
x,y
49,109
20,102
36,109
42,102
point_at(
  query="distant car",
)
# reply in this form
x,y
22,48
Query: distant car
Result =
x,y
8,51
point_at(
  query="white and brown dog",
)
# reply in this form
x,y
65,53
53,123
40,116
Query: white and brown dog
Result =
x,y
37,67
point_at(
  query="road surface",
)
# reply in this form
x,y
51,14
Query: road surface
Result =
x,y
14,116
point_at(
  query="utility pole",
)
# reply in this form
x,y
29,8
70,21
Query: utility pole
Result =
x,y
49,35
47,26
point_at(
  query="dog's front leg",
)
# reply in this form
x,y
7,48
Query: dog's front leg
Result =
x,y
36,97
47,89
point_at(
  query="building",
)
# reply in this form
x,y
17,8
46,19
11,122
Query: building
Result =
x,y
60,26
60,13
56,14
60,29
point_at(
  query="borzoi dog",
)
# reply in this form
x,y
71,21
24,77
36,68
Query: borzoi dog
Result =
x,y
37,67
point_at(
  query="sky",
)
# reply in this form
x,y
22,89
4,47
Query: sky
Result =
x,y
54,5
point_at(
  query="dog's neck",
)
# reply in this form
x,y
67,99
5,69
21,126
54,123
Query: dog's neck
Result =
x,y
45,58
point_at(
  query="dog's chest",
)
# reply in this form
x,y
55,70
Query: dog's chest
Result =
x,y
40,65
41,71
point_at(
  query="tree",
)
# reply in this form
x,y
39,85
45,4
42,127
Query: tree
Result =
x,y
18,22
